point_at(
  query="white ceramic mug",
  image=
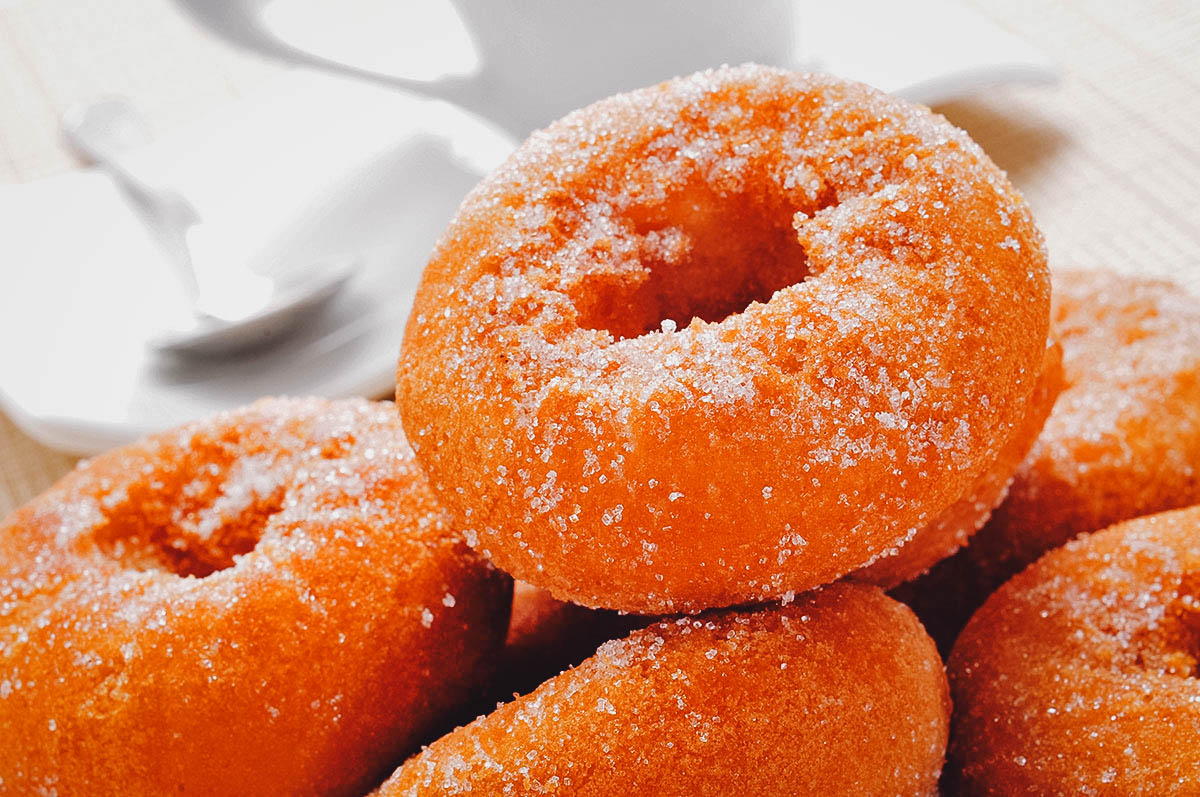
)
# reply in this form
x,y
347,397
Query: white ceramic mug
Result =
x,y
534,59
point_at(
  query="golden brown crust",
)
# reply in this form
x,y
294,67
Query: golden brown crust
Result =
x,y
954,527
1079,676
839,693
259,603
675,316
1122,441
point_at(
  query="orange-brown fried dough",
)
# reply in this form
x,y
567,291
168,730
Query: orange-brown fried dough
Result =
x,y
265,602
1079,676
954,527
1123,439
722,339
841,692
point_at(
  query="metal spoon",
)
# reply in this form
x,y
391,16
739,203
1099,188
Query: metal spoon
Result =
x,y
235,308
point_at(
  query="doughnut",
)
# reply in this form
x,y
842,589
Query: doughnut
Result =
x,y
264,602
546,636
1122,441
743,294
841,692
951,529
1081,675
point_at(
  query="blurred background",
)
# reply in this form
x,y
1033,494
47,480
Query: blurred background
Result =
x,y
160,156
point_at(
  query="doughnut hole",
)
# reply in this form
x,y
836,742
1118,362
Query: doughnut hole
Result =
x,y
194,519
699,254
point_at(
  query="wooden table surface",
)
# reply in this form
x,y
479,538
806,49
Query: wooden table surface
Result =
x,y
1109,157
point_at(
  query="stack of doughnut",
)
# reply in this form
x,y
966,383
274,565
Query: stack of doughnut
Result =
x,y
740,350
719,342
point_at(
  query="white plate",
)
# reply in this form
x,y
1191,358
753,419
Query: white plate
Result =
x,y
315,167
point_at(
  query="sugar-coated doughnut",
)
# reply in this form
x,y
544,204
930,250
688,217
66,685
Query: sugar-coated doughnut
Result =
x,y
546,636
1122,441
723,339
265,602
1081,675
951,529
841,692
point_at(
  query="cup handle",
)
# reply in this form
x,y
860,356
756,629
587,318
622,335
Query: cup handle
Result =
x,y
240,22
